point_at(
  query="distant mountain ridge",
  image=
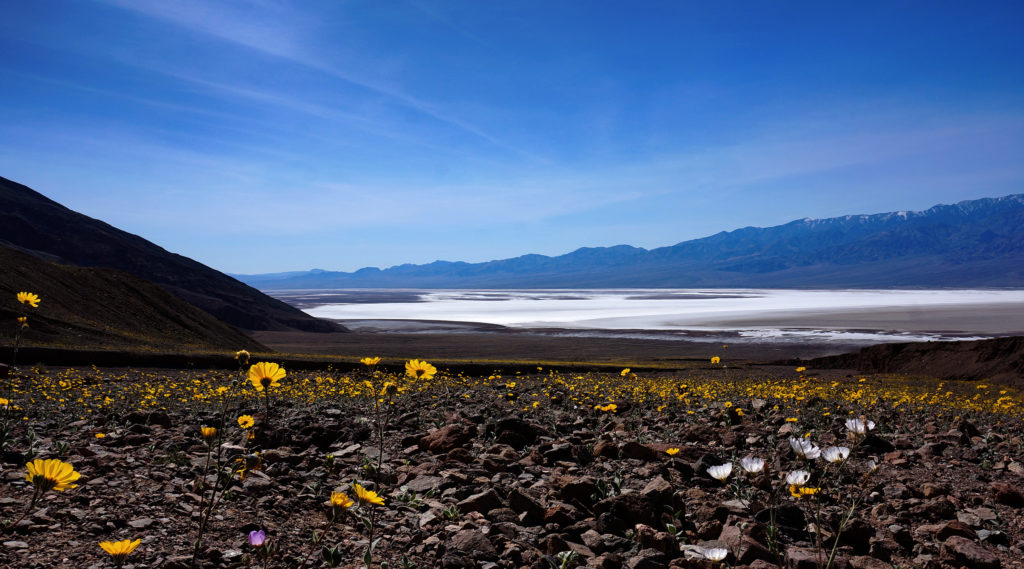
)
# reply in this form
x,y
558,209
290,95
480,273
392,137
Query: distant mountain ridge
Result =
x,y
32,223
975,243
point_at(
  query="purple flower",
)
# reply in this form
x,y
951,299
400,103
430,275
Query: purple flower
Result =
x,y
257,537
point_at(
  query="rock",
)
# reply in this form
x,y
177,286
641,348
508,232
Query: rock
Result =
x,y
1007,494
483,502
966,552
524,504
648,559
424,484
631,509
576,490
15,544
866,562
951,528
473,542
561,514
607,449
650,538
637,451
446,439
658,491
141,523
516,432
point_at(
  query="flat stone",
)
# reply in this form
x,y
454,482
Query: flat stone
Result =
x,y
966,552
141,523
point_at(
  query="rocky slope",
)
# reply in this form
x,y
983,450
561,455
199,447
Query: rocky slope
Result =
x,y
471,480
85,308
32,223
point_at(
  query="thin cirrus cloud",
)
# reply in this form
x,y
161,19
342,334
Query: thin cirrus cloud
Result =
x,y
273,34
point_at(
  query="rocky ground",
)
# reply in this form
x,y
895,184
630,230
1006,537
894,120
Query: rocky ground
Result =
x,y
479,478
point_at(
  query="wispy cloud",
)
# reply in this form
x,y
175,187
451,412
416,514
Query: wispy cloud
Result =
x,y
277,31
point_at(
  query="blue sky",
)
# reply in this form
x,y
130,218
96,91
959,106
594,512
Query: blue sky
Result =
x,y
269,136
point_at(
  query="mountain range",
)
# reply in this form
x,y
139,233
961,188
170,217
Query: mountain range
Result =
x,y
34,224
976,243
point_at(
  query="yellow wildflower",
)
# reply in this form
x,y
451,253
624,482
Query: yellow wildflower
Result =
x,y
367,496
419,369
265,374
341,500
246,421
51,474
716,360
29,298
370,361
672,451
119,550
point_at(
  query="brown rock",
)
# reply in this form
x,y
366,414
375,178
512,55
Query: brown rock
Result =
x,y
482,502
474,542
1008,494
966,552
446,439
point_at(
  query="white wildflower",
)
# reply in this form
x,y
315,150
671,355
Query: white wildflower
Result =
x,y
716,554
752,465
835,454
798,477
721,472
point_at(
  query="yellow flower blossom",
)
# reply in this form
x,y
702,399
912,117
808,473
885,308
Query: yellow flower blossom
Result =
x,y
51,474
419,369
265,374
672,451
341,500
367,496
29,298
716,360
246,421
119,550
370,361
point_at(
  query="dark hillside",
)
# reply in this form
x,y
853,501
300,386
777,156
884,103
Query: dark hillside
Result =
x,y
104,308
42,227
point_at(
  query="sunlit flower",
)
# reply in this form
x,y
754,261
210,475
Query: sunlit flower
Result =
x,y
672,451
389,389
791,419
257,538
23,320
367,496
609,408
51,474
246,421
341,500
802,491
100,435
835,454
798,477
801,369
242,356
720,472
249,463
872,465
752,465
265,374
715,554
804,448
716,360
208,433
624,372
4,402
29,298
119,550
419,369
859,427
370,361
